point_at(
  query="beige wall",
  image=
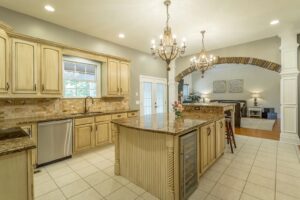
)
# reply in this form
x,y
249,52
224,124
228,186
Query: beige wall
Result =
x,y
141,63
256,80
267,49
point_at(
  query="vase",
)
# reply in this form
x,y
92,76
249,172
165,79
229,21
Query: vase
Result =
x,y
177,114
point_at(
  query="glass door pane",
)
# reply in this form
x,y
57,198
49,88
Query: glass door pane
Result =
x,y
147,86
160,98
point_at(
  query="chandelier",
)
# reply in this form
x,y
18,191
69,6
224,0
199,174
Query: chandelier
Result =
x,y
168,49
203,62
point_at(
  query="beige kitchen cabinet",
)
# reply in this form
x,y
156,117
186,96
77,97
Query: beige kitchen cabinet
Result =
x,y
83,137
31,130
4,63
115,78
124,78
114,127
102,133
207,146
220,137
24,67
16,175
51,70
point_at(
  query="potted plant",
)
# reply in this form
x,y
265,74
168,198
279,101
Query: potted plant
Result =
x,y
177,108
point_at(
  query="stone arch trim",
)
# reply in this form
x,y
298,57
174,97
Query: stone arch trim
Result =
x,y
236,60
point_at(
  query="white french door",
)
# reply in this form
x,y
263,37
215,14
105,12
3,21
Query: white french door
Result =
x,y
153,95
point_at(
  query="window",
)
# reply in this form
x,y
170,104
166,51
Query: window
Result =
x,y
186,91
81,78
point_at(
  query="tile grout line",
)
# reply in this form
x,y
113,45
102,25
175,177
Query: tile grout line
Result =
x,y
231,160
250,171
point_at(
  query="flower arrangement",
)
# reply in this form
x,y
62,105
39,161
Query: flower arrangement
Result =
x,y
178,108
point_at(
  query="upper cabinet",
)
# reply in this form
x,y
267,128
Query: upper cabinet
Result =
x,y
51,70
124,78
24,66
115,78
4,63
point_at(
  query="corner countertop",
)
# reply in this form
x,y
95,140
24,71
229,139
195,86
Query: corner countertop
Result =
x,y
213,104
167,123
16,145
9,123
14,140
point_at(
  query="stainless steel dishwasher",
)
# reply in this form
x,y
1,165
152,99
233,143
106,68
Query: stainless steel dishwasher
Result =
x,y
54,141
188,164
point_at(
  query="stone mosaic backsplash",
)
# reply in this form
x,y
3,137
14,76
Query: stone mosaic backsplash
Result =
x,y
20,108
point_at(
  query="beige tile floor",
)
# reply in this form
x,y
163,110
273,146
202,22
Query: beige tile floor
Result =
x,y
260,169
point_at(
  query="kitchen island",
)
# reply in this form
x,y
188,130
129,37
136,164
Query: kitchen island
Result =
x,y
166,156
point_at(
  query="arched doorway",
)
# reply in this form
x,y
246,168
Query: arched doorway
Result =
x,y
236,60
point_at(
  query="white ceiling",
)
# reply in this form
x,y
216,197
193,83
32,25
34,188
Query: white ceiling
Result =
x,y
228,22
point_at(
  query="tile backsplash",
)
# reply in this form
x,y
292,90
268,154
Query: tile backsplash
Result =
x,y
19,108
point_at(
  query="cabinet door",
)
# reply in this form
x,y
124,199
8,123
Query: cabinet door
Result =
x,y
102,133
4,74
51,70
24,66
212,142
204,149
220,137
113,77
124,78
83,137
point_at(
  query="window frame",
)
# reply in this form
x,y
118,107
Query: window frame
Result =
x,y
85,61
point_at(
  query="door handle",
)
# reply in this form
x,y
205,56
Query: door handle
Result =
x,y
7,86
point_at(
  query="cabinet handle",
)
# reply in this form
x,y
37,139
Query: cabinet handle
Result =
x,y
34,87
118,115
43,87
96,128
208,131
29,132
7,86
221,124
91,128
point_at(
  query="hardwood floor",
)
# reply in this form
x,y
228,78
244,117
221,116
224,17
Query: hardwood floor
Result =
x,y
274,134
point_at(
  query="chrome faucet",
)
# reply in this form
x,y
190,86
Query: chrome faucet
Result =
x,y
86,110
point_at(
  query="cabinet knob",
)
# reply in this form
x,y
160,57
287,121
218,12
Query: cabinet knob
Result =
x,y
43,87
208,131
34,87
221,124
7,86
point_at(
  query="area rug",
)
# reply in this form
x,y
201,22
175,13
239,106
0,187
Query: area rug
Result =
x,y
260,124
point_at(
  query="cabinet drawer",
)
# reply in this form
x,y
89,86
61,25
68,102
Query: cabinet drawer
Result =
x,y
103,118
119,116
132,114
86,120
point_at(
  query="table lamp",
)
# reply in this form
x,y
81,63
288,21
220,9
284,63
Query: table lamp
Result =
x,y
255,96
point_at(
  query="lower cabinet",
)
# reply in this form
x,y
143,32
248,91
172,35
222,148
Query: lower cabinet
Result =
x,y
102,133
16,175
220,137
83,137
207,146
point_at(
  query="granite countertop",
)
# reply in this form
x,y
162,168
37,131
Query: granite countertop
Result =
x,y
213,104
14,140
9,123
166,122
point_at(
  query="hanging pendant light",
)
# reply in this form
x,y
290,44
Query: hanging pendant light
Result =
x,y
203,62
168,49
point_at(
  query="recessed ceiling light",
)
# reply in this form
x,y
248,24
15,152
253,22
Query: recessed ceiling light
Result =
x,y
121,35
274,22
49,8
